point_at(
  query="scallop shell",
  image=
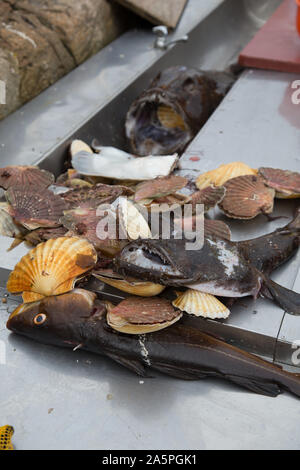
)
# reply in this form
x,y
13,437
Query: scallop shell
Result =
x,y
223,173
129,285
159,187
246,197
132,222
209,197
79,146
119,165
35,237
51,268
137,315
34,209
91,196
169,118
216,229
201,304
286,183
84,222
25,177
8,228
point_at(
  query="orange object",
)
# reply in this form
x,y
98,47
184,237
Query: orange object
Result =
x,y
276,46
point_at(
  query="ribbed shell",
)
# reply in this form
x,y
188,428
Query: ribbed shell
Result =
x,y
216,229
91,196
201,304
25,177
137,315
35,209
159,187
84,222
223,173
8,227
51,268
286,183
209,197
132,222
246,197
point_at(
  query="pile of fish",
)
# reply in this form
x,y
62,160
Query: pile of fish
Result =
x,y
61,278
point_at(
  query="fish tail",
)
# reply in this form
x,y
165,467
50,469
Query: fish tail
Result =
x,y
287,299
295,224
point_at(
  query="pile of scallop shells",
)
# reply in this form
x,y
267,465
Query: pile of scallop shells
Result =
x,y
59,218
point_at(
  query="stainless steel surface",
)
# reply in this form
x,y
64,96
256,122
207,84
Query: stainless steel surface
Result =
x,y
59,399
257,123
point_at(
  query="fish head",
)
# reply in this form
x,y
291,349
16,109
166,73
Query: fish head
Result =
x,y
152,260
58,320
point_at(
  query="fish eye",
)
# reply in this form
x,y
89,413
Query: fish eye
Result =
x,y
40,319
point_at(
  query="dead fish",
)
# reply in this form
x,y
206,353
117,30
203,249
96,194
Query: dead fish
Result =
x,y
79,318
221,267
178,102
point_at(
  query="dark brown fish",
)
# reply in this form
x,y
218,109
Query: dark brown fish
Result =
x,y
78,318
178,102
221,267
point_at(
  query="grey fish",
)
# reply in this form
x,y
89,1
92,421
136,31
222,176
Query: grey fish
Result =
x,y
221,267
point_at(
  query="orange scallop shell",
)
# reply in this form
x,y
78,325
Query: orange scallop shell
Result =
x,y
51,268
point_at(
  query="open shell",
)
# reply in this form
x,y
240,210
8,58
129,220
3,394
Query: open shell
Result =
x,y
25,177
8,227
84,222
286,183
201,304
51,268
216,229
223,173
130,285
246,197
169,118
159,187
137,315
34,209
40,235
116,164
209,197
132,222
79,146
92,196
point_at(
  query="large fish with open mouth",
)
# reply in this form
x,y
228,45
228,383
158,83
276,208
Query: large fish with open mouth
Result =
x,y
221,267
78,318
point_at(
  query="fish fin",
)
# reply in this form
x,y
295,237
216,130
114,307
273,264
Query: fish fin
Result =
x,y
184,374
295,224
135,366
261,387
287,299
